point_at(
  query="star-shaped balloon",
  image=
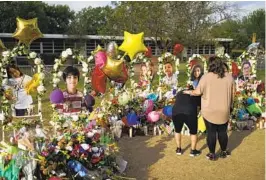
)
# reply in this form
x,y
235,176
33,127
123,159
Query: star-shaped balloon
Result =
x,y
98,48
2,47
27,31
133,44
113,68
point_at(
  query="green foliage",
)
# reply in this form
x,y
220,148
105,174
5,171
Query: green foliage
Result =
x,y
241,30
90,21
51,19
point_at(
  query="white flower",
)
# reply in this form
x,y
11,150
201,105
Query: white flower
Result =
x,y
60,73
6,53
69,51
56,60
56,80
160,66
64,54
132,74
2,117
90,59
5,81
37,61
33,55
42,76
40,89
75,117
85,70
85,65
100,115
160,59
56,66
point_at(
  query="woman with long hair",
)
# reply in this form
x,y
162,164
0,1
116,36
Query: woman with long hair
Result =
x,y
216,89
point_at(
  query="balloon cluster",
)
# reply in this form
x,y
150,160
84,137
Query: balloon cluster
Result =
x,y
108,65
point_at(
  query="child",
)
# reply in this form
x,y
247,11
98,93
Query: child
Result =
x,y
196,73
170,78
150,72
143,77
73,99
17,81
246,71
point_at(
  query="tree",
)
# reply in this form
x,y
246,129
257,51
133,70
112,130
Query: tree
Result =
x,y
51,19
241,30
90,21
255,23
59,18
168,21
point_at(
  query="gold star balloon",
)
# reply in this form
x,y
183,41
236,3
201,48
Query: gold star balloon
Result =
x,y
113,68
2,46
27,31
98,48
133,44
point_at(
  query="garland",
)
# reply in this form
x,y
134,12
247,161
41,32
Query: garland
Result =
x,y
189,68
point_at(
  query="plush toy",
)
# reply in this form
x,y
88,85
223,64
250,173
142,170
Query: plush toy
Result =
x,y
253,108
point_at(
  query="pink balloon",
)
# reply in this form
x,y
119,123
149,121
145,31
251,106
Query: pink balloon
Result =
x,y
153,116
100,59
148,106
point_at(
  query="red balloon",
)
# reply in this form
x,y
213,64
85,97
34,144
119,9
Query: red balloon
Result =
x,y
98,80
124,75
235,70
148,53
178,48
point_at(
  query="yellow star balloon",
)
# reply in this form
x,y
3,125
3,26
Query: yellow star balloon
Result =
x,y
113,68
27,31
2,46
32,85
133,44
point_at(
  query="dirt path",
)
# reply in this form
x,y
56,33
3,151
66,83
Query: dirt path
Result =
x,y
154,158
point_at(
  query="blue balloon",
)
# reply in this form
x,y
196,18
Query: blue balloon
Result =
x,y
78,168
153,97
167,110
132,119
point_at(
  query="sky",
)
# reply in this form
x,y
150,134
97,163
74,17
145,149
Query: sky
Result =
x,y
245,7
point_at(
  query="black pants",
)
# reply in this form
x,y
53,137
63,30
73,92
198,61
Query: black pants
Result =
x,y
212,131
189,120
20,112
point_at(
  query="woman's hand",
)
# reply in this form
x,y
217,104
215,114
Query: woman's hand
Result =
x,y
187,92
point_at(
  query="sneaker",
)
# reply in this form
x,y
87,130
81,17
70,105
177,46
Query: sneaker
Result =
x,y
178,151
224,154
211,156
194,153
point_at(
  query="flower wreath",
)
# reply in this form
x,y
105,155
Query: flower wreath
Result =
x,y
31,56
252,59
6,59
189,68
166,58
57,73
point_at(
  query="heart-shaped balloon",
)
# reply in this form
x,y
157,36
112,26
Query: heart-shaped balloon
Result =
x,y
100,59
153,116
98,80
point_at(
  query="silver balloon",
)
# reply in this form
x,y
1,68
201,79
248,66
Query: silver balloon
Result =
x,y
112,50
